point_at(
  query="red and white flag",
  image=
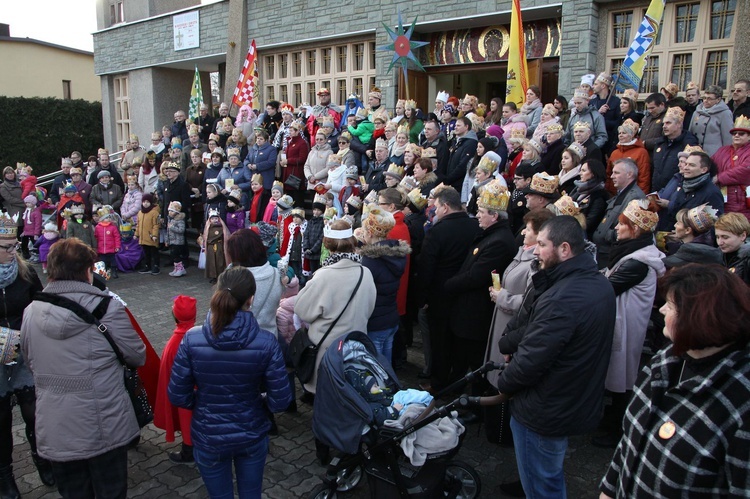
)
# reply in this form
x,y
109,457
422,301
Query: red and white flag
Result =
x,y
245,91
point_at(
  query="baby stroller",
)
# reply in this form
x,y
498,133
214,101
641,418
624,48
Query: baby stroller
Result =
x,y
344,420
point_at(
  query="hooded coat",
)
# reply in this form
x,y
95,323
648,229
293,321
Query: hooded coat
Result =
x,y
636,289
77,374
711,127
222,379
387,262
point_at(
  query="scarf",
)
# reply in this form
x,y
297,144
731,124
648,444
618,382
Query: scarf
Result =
x,y
622,249
27,215
397,150
8,273
573,172
254,205
336,257
586,188
527,108
146,167
693,184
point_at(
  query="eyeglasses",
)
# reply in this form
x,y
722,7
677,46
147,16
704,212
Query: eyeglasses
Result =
x,y
737,90
739,134
11,248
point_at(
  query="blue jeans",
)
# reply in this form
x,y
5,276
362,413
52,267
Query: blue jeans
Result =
x,y
383,341
540,462
216,470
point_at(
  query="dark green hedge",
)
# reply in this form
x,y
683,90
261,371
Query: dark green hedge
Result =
x,y
41,131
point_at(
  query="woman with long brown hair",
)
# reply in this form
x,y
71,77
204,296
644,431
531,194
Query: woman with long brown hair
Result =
x,y
231,361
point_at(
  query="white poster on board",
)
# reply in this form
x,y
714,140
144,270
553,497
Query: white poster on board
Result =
x,y
186,31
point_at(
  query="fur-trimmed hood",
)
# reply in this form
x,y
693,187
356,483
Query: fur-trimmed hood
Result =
x,y
387,248
429,179
179,216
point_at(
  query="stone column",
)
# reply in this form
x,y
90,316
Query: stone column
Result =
x,y
237,45
578,44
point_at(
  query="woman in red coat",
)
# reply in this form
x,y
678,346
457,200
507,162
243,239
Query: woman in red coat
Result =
x,y
293,162
166,416
733,162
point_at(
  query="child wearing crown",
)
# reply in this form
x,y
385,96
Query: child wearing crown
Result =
x,y
32,224
78,226
212,242
50,236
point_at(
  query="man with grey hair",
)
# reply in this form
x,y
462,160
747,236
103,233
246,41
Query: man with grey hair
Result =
x,y
712,121
205,123
624,176
60,180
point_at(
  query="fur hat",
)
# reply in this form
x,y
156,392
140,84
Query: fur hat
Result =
x,y
378,222
175,206
637,212
184,308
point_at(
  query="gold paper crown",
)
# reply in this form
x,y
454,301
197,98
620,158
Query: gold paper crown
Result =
x,y
354,201
637,212
517,133
126,227
489,162
555,128
381,144
581,93
371,197
287,108
8,226
214,137
346,135
417,198
175,206
319,198
333,159
578,150
689,150
494,196
566,206
171,166
213,212
630,127
155,135
327,120
671,89
702,217
544,184
675,113
742,124
471,99
258,179
691,85
581,125
410,104
604,78
409,183
429,152
361,113
403,128
631,94
298,212
176,141
133,137
395,171
414,149
193,130
380,114
78,171
104,211
330,212
278,186
233,151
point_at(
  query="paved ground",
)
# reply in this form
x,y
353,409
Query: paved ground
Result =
x,y
291,470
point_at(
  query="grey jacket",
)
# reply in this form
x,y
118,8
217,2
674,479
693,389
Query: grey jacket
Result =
x,y
711,126
82,408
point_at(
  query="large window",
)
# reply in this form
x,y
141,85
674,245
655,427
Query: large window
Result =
x,y
122,110
695,43
342,68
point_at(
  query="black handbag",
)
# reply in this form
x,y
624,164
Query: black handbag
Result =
x,y
303,351
133,384
293,182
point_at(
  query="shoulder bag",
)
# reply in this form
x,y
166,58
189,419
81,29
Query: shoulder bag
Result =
x,y
303,351
133,384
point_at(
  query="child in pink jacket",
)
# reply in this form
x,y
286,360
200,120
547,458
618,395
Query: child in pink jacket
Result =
x,y
108,241
32,224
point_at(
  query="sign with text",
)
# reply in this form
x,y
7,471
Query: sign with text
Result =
x,y
186,31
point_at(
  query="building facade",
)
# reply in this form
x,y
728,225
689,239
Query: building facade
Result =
x,y
33,68
145,55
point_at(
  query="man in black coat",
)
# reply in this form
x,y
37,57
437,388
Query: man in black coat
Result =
x,y
665,160
556,376
60,180
471,306
461,153
435,139
443,252
104,164
175,189
205,123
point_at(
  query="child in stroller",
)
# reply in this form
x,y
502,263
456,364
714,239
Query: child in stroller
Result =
x,y
361,411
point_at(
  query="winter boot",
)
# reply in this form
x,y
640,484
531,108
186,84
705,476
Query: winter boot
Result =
x,y
155,270
114,273
44,468
179,270
184,456
8,487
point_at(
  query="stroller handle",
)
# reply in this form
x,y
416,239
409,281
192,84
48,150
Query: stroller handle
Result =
x,y
467,401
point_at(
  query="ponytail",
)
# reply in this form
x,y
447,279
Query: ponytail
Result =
x,y
235,286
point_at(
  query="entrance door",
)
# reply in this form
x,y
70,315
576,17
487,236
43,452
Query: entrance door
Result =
x,y
417,88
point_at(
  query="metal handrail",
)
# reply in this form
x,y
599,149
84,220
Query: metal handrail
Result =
x,y
48,178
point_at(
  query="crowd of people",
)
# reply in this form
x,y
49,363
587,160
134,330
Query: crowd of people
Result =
x,y
544,236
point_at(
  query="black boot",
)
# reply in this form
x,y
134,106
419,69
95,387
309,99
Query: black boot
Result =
x,y
8,487
184,456
44,468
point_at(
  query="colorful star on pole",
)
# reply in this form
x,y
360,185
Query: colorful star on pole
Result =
x,y
402,46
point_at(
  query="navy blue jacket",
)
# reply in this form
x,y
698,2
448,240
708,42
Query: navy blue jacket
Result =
x,y
556,377
387,262
221,379
665,161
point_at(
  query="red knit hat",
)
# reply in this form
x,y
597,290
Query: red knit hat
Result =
x,y
184,308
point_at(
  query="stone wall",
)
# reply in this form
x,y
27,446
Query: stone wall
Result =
x,y
150,42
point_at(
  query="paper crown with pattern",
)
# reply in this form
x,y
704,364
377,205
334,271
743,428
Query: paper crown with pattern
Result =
x,y
233,151
355,201
378,222
671,89
691,85
172,165
403,128
582,125
578,150
555,128
106,212
604,78
517,134
299,212
535,145
410,104
381,144
630,127
689,150
442,96
375,92
581,93
287,108
416,198
675,113
395,171
637,212
76,209
8,226
333,160
352,172
319,199
544,185
566,206
429,153
213,212
470,99
361,114
414,149
630,94
371,197
380,114
408,183
702,218
741,124
494,196
489,162
193,130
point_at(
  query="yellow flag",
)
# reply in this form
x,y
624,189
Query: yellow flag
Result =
x,y
517,81
632,67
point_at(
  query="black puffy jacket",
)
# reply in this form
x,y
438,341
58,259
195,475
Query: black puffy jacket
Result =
x,y
556,377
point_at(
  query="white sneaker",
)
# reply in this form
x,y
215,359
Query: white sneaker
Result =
x,y
178,273
172,273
